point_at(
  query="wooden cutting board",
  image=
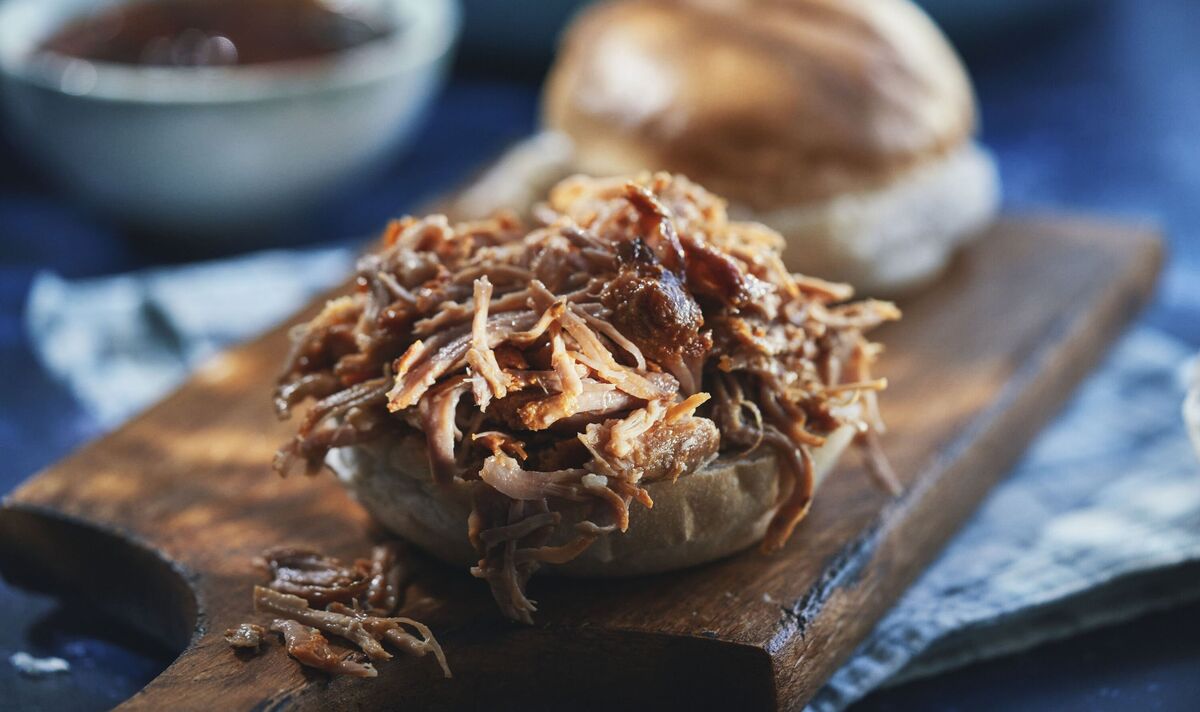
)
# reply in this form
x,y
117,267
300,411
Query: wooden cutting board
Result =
x,y
159,520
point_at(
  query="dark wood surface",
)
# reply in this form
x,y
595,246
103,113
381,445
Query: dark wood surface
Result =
x,y
159,520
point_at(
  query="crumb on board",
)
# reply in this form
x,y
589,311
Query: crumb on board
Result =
x,y
26,664
247,636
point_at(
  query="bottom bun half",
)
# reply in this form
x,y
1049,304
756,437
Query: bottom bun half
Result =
x,y
721,509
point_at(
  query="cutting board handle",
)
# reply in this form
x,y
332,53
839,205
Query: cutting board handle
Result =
x,y
47,551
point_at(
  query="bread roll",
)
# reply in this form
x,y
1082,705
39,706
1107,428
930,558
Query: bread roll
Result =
x,y
844,124
705,515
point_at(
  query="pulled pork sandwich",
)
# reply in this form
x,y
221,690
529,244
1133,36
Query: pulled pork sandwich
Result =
x,y
502,396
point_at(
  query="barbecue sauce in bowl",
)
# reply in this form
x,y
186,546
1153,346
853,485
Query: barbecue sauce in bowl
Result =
x,y
198,33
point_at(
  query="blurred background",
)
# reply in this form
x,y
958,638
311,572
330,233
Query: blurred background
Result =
x,y
1089,106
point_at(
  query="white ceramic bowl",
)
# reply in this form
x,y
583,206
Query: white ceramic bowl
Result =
x,y
212,152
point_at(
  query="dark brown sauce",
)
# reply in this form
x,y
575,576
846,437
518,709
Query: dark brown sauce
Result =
x,y
192,33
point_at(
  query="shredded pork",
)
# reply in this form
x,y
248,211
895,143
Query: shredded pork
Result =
x,y
310,595
317,578
311,649
632,336
366,631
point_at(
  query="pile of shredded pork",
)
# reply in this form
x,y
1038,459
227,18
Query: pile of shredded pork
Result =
x,y
632,336
310,594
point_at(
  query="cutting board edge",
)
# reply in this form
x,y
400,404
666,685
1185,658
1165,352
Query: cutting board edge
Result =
x,y
795,683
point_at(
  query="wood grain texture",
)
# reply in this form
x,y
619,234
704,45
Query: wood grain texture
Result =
x,y
159,520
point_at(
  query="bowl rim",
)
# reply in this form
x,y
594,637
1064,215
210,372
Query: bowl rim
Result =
x,y
433,27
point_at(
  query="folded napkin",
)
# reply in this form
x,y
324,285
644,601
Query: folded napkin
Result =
x,y
120,343
1100,522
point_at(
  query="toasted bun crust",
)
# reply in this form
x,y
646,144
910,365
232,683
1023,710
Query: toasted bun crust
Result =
x,y
716,511
772,105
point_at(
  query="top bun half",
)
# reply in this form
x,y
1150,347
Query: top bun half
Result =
x,y
771,103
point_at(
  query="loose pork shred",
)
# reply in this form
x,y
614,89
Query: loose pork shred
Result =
x,y
316,578
311,649
310,595
632,336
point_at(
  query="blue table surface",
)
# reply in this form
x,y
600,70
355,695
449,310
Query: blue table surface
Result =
x,y
1097,113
